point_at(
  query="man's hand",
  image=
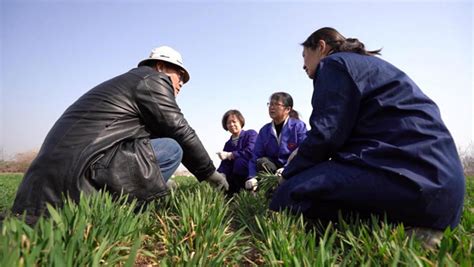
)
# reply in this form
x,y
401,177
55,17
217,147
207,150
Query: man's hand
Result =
x,y
218,180
223,155
251,184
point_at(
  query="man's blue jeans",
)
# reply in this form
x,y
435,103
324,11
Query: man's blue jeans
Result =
x,y
168,155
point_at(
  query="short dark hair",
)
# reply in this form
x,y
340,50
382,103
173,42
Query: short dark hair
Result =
x,y
235,113
337,42
285,98
149,63
153,62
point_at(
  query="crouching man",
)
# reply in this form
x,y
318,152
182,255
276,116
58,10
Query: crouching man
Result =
x,y
125,135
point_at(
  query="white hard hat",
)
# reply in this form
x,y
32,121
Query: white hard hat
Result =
x,y
168,54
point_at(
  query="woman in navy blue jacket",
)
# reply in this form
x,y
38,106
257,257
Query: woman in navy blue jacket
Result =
x,y
277,139
237,150
377,144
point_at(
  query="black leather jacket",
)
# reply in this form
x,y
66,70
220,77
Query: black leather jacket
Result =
x,y
103,140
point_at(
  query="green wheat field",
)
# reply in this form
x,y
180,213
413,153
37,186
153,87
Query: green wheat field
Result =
x,y
198,226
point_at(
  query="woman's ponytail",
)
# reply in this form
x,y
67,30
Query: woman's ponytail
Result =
x,y
354,45
337,42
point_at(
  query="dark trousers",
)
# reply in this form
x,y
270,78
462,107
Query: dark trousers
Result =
x,y
327,188
236,172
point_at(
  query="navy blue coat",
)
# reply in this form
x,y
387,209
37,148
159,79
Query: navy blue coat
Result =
x,y
368,113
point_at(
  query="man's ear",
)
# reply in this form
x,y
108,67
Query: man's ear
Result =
x,y
159,67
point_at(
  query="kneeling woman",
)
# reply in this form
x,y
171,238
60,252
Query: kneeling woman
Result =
x,y
277,140
377,144
238,150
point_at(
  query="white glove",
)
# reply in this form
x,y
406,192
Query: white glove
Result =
x,y
279,172
292,156
218,180
172,185
251,184
223,155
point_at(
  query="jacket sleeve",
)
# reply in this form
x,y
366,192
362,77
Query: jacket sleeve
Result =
x,y
301,132
162,117
247,146
224,166
335,104
258,152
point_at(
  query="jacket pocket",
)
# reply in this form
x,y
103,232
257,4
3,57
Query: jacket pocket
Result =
x,y
129,168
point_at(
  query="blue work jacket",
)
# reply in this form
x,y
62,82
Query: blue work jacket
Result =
x,y
367,112
242,152
277,149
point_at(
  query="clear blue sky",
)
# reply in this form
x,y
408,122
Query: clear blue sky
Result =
x,y
237,53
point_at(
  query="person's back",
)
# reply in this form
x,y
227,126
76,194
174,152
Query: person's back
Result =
x,y
126,135
377,144
398,127
101,118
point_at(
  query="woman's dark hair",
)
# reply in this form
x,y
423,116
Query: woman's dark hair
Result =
x,y
235,113
285,98
337,42
294,114
287,101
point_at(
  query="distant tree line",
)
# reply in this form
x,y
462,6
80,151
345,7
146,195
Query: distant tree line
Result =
x,y
19,163
467,159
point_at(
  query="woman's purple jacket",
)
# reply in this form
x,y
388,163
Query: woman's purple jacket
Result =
x,y
292,135
242,152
